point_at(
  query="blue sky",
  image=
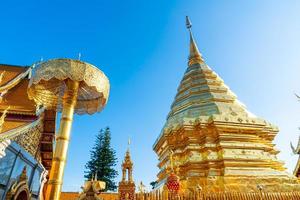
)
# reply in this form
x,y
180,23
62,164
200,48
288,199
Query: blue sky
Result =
x,y
142,46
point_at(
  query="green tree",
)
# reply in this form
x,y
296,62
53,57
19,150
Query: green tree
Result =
x,y
103,160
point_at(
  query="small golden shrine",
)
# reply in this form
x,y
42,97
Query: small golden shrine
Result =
x,y
126,185
92,189
218,145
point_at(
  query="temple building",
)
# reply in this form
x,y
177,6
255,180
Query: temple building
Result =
x,y
26,137
217,144
126,185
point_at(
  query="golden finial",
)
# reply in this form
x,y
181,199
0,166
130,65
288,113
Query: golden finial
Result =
x,y
128,144
1,76
2,118
188,22
195,56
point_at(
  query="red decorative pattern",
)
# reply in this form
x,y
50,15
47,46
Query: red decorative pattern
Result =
x,y
173,183
129,197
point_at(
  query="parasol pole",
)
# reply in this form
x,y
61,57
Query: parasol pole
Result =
x,y
62,141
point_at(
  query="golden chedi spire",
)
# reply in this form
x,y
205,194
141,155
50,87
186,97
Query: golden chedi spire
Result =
x,y
218,144
201,91
195,56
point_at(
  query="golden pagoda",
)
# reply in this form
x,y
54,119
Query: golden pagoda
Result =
x,y
218,145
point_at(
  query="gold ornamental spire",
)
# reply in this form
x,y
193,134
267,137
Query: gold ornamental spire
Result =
x,y
128,144
2,118
195,56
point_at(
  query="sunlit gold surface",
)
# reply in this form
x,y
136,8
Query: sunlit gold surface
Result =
x,y
2,118
46,86
217,143
69,86
62,142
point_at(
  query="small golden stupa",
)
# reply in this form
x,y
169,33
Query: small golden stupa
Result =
x,y
218,144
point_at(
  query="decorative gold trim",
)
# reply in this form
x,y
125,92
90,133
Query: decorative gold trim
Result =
x,y
10,134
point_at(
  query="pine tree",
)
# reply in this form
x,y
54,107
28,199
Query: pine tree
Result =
x,y
103,160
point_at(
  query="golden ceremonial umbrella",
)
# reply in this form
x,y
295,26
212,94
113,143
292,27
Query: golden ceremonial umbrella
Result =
x,y
67,86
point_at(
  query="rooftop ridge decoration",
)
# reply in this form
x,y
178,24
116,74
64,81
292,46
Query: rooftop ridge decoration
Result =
x,y
2,118
13,133
219,145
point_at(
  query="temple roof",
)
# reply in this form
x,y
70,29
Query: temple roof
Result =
x,y
13,86
10,72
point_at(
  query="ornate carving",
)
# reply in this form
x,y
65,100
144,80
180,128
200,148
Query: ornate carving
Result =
x,y
43,181
30,140
46,86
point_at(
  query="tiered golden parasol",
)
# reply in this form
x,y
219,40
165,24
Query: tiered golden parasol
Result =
x,y
67,86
